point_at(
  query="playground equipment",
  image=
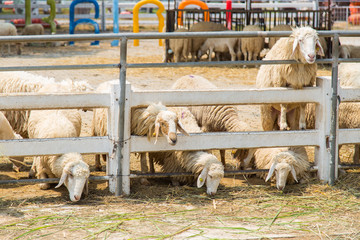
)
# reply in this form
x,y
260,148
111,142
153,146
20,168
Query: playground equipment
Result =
x,y
74,23
46,21
185,3
158,13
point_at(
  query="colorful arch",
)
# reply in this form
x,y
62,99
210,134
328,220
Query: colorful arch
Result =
x,y
185,3
158,13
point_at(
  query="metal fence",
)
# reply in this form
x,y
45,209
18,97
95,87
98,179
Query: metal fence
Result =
x,y
119,144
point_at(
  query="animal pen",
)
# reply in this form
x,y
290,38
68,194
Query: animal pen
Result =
x,y
119,143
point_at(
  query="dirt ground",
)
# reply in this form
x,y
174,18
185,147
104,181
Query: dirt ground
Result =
x,y
243,208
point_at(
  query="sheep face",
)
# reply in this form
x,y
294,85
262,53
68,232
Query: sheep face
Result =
x,y
211,175
282,170
168,123
308,44
75,179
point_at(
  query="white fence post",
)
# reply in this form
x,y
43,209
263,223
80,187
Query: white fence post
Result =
x,y
323,123
125,164
112,164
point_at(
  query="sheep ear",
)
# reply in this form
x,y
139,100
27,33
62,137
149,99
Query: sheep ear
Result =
x,y
63,177
319,49
295,44
157,129
271,171
181,128
202,177
293,172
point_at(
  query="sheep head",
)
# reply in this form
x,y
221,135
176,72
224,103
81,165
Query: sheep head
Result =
x,y
168,123
282,167
75,176
211,174
306,45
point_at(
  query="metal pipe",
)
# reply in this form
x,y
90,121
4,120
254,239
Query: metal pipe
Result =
x,y
51,180
114,36
334,111
123,53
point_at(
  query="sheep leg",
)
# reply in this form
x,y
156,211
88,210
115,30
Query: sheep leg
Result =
x,y
44,186
247,160
222,156
268,117
302,120
97,163
151,163
144,169
210,53
356,154
245,57
283,122
232,53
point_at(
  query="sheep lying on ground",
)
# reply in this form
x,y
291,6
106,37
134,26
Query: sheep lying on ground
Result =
x,y
302,46
289,164
24,82
212,118
8,29
153,120
70,168
349,75
33,29
281,27
196,43
222,45
179,48
6,132
251,47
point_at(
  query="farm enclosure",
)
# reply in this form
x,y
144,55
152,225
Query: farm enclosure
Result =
x,y
255,209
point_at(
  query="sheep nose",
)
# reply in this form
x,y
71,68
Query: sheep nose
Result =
x,y
77,197
311,56
172,138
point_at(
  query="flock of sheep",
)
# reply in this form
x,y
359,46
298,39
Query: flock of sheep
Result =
x,y
286,165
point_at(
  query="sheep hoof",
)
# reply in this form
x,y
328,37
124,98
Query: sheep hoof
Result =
x,y
44,186
32,173
145,182
98,168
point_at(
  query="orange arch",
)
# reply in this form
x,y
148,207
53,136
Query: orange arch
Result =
x,y
185,3
158,13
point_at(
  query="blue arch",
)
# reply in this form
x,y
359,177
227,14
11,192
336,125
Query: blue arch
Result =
x,y
74,23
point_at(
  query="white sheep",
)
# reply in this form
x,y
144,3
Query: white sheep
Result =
x,y
8,29
33,29
290,164
70,168
6,132
220,118
196,43
205,167
349,51
179,48
302,46
251,47
281,27
24,82
155,120
222,45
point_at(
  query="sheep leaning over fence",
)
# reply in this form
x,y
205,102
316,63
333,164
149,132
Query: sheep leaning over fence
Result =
x,y
8,29
290,164
155,120
205,167
302,46
6,132
220,118
58,124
